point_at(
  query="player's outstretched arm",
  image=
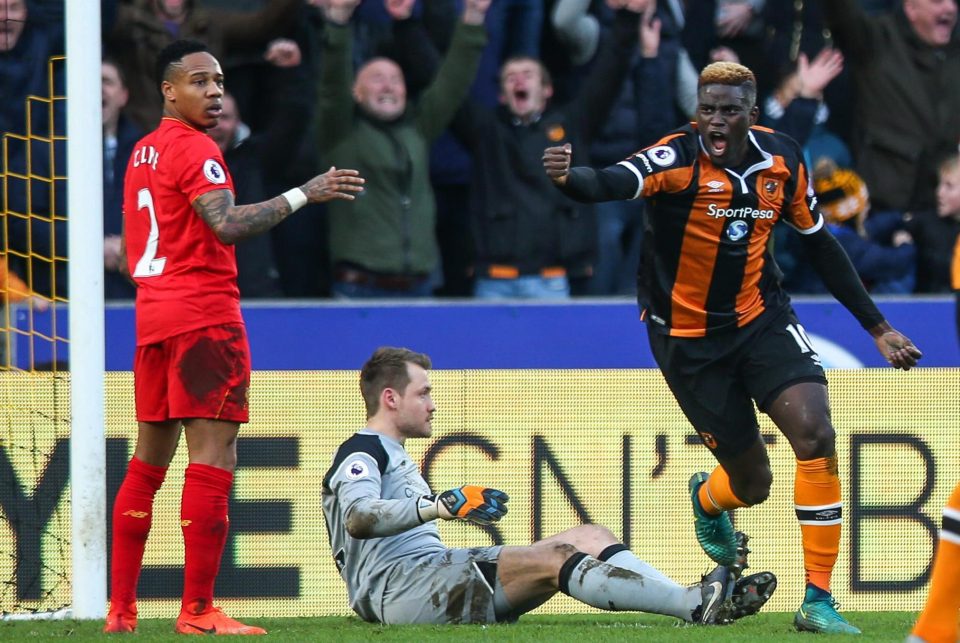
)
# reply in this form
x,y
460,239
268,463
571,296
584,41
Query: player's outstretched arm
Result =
x,y
332,184
469,502
234,223
584,184
840,277
369,517
895,347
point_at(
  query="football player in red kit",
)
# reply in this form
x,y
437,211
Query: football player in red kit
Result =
x,y
192,363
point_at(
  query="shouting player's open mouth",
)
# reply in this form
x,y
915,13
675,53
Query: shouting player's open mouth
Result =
x,y
717,144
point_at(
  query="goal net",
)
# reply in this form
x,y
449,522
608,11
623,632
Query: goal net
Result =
x,y
34,382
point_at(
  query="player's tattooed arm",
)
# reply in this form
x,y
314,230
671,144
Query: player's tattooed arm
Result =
x,y
234,223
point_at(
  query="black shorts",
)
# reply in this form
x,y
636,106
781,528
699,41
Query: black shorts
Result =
x,y
716,379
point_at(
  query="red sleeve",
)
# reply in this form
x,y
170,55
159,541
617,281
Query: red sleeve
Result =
x,y
202,168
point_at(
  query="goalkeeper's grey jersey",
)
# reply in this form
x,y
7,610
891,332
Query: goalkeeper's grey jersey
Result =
x,y
373,481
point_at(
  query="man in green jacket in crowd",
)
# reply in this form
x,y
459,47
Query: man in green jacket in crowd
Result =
x,y
384,245
905,63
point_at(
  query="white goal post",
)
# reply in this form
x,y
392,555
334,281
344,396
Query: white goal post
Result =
x,y
86,330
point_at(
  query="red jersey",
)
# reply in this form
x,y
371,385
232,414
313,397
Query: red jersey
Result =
x,y
186,277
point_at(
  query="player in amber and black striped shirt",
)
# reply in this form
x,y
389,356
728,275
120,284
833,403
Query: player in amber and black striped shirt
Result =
x,y
722,329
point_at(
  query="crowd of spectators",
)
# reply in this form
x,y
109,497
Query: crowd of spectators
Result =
x,y
445,107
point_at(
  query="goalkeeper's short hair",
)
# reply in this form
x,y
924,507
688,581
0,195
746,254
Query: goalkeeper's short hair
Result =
x,y
387,368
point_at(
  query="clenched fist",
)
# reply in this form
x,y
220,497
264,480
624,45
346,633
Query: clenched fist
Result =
x,y
556,162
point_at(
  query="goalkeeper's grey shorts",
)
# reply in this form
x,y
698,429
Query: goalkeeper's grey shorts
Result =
x,y
453,586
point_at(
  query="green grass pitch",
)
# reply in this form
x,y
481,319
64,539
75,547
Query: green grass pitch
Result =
x,y
774,626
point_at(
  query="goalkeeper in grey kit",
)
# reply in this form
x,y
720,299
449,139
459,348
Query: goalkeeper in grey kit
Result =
x,y
381,519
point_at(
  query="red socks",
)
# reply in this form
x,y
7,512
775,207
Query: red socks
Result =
x,y
132,513
203,518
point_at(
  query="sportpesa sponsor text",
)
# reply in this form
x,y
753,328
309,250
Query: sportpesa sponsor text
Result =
x,y
717,212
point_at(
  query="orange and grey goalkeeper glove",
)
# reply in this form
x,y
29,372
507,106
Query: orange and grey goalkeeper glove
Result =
x,y
477,504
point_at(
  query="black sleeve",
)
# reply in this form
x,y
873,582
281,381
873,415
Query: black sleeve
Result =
x,y
358,443
612,183
837,272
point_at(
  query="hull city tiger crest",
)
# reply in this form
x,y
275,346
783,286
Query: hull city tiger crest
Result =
x,y
772,189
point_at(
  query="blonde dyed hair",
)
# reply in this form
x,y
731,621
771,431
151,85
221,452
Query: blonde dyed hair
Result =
x,y
733,74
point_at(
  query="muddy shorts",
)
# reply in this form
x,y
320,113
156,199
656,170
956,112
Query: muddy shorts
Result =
x,y
453,586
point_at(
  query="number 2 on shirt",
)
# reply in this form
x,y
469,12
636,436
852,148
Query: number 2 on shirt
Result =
x,y
149,265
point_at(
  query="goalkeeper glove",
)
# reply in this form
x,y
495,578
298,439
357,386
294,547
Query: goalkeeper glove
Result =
x,y
476,504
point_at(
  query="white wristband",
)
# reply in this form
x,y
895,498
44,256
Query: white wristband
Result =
x,y
428,508
296,198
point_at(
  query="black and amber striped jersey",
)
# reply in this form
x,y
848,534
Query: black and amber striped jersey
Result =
x,y
706,264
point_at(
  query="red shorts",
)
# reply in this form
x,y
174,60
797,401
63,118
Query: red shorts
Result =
x,y
203,373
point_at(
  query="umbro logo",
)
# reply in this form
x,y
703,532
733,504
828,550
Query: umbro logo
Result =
x,y
716,186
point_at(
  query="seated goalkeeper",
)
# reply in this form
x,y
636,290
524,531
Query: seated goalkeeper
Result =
x,y
381,515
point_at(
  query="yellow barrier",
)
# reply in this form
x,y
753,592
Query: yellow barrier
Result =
x,y
568,446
